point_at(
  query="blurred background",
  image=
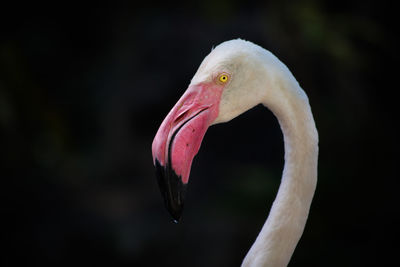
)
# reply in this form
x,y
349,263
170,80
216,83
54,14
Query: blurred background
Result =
x,y
83,90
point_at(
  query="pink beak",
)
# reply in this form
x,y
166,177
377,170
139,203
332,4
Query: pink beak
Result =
x,y
178,140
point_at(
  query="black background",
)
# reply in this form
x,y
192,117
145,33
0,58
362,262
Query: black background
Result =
x,y
83,90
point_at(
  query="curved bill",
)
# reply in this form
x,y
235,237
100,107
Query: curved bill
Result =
x,y
178,140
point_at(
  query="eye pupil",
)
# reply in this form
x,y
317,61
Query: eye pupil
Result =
x,y
223,78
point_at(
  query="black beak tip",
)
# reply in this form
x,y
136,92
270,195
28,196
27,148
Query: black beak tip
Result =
x,y
176,214
172,189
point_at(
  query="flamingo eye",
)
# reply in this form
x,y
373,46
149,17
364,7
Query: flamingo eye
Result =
x,y
223,78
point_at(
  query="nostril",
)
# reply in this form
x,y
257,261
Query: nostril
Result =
x,y
180,116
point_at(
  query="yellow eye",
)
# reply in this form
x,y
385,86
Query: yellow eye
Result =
x,y
223,78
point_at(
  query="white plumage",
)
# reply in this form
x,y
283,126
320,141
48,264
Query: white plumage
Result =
x,y
259,77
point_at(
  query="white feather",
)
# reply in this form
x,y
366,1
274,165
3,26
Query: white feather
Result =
x,y
257,76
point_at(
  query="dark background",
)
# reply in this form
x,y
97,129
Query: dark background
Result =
x,y
83,91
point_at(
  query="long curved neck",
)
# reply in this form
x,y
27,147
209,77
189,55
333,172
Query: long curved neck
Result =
x,y
282,230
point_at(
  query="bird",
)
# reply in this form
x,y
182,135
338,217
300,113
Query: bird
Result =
x,y
234,77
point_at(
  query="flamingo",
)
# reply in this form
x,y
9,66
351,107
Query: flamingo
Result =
x,y
236,76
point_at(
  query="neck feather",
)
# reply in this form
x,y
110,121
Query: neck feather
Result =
x,y
282,230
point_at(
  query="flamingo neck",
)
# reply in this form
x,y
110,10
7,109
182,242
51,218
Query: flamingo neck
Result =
x,y
284,226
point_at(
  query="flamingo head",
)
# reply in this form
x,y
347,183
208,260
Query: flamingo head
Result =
x,y
214,95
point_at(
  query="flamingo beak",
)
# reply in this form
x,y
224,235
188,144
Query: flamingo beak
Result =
x,y
178,140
